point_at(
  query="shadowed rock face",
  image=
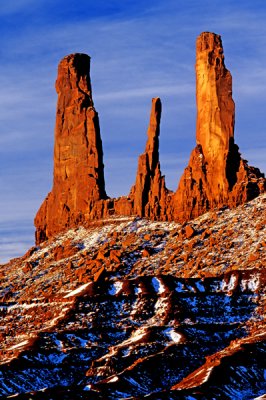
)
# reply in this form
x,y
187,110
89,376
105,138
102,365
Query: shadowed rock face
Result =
x,y
216,175
78,156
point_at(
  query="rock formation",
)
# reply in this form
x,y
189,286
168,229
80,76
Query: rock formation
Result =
x,y
149,194
216,175
138,309
78,156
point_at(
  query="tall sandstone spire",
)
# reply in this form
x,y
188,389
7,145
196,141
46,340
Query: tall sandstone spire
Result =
x,y
149,194
78,155
216,175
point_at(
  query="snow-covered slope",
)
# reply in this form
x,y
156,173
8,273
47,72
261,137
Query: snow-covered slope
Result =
x,y
128,308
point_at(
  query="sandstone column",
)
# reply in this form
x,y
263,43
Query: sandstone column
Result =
x,y
78,156
215,109
216,175
149,192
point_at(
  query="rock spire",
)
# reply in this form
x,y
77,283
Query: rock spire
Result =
x,y
78,155
216,175
149,193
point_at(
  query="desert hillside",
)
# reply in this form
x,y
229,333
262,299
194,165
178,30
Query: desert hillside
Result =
x,y
127,308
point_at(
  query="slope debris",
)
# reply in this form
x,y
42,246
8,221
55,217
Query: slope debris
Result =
x,y
129,308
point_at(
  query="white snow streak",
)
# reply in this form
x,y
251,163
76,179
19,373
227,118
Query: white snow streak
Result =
x,y
158,286
115,288
172,335
19,345
78,290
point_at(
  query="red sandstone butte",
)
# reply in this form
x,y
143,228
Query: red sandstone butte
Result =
x,y
216,175
78,155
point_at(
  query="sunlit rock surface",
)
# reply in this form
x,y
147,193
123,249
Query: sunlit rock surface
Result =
x,y
216,175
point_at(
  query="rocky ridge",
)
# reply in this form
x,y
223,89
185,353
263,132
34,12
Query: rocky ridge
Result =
x,y
216,175
90,313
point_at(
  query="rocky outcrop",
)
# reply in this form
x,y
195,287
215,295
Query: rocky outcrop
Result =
x,y
91,313
78,156
216,175
149,194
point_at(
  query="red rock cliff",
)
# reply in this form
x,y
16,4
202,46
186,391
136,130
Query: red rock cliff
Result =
x,y
216,175
78,156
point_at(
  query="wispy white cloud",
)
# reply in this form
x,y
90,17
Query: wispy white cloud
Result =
x,y
146,92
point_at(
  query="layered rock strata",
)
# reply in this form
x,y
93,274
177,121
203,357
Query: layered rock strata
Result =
x,y
78,155
90,314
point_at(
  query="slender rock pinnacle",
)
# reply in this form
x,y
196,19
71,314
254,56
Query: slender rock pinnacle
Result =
x,y
216,175
149,192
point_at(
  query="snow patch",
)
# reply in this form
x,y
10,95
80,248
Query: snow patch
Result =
x,y
251,284
179,287
115,288
136,336
17,346
114,379
137,290
230,285
172,335
200,286
158,286
254,282
78,290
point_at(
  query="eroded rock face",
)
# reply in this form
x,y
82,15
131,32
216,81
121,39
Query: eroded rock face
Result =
x,y
78,156
216,175
149,194
90,314
215,108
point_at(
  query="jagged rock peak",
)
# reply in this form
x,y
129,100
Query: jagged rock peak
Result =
x,y
78,156
149,192
74,73
153,132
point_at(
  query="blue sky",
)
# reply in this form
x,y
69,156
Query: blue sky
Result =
x,y
140,49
